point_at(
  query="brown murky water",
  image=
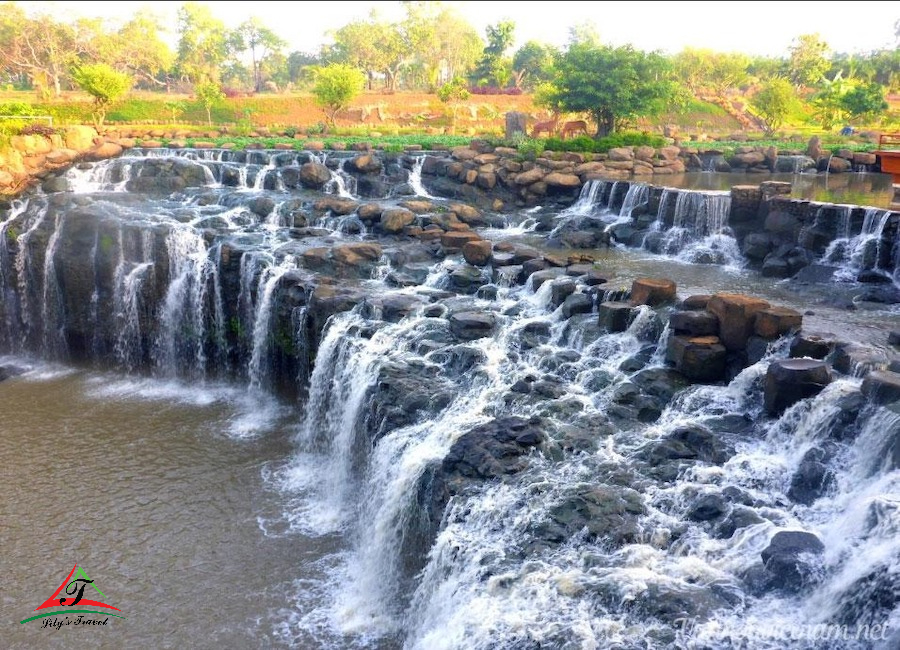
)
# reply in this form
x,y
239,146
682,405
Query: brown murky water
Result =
x,y
158,492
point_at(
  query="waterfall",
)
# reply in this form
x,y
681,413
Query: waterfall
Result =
x,y
260,372
28,277
9,277
699,231
415,179
52,309
187,324
865,251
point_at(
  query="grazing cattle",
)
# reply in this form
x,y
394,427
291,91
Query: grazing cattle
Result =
x,y
548,127
571,128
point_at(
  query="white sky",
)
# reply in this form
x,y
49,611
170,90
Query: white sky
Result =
x,y
751,27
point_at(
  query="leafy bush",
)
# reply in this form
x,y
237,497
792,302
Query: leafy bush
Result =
x,y
586,144
494,90
17,108
531,148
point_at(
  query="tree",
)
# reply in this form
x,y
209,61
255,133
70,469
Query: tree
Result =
x,y
494,68
827,102
39,47
202,45
611,83
374,46
864,100
102,83
260,41
209,94
300,67
532,64
136,48
441,44
336,86
774,103
808,60
706,70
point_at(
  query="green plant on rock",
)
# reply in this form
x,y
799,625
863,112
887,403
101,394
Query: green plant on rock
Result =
x,y
531,148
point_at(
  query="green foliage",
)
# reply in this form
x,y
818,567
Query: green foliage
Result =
x,y
530,149
17,108
495,68
808,60
587,144
209,94
864,100
336,86
612,84
774,102
454,90
102,83
532,64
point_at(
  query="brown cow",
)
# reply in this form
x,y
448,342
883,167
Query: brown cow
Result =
x,y
571,128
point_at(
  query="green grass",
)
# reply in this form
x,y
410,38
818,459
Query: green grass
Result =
x,y
390,143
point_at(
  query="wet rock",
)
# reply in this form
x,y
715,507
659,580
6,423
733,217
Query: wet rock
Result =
x,y
789,559
881,386
790,380
615,316
394,220
314,175
601,512
365,164
538,278
471,325
776,321
466,278
737,314
696,302
653,292
868,602
707,508
404,393
811,345
335,205
8,371
701,358
684,445
453,241
694,323
577,303
392,307
812,478
487,292
356,259
560,289
477,253
739,517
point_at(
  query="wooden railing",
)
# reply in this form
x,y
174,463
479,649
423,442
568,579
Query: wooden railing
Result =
x,y
888,139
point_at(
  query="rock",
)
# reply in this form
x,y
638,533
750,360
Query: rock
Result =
x,y
694,323
104,151
493,449
881,387
652,292
790,380
80,138
697,302
566,181
739,517
812,477
418,206
467,214
601,512
471,325
314,175
335,205
369,212
788,559
577,303
366,164
466,278
560,289
701,358
454,240
394,220
615,316
810,345
707,508
621,154
357,254
737,315
538,278
528,177
477,252
773,322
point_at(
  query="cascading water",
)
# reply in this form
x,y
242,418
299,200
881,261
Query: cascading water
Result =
x,y
415,179
483,473
865,251
699,229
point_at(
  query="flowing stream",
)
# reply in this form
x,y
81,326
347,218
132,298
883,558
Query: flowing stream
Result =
x,y
244,454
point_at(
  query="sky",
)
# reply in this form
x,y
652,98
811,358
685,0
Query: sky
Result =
x,y
765,28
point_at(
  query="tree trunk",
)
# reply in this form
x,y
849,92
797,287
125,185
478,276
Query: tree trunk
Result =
x,y
606,123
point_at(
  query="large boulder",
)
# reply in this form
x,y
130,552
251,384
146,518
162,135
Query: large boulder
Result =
x,y
471,325
700,358
314,175
737,316
882,386
790,380
790,559
394,220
